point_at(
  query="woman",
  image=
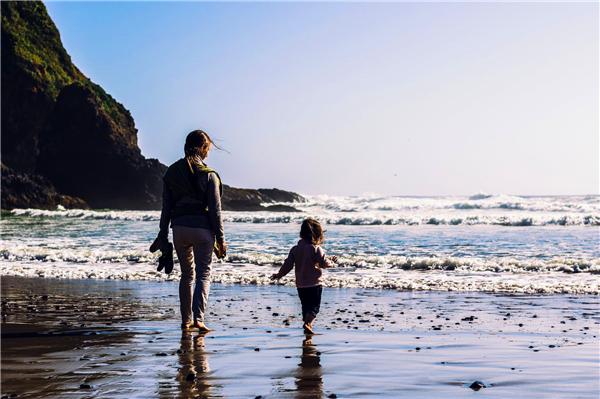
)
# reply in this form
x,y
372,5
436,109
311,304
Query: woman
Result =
x,y
192,204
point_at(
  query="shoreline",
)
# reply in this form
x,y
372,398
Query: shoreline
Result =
x,y
290,284
131,344
389,278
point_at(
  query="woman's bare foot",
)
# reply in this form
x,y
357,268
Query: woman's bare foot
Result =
x,y
187,326
201,326
308,328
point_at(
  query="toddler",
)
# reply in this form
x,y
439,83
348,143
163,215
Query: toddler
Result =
x,y
308,259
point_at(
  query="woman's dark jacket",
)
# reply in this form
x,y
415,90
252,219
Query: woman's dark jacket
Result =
x,y
192,198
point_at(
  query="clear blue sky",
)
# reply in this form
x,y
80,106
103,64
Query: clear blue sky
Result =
x,y
349,98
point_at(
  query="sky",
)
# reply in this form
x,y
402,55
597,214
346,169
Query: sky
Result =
x,y
355,98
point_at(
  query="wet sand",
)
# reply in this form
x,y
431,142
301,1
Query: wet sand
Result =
x,y
103,338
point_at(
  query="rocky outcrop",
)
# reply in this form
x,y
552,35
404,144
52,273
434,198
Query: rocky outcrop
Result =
x,y
35,67
243,199
61,128
23,190
89,153
65,140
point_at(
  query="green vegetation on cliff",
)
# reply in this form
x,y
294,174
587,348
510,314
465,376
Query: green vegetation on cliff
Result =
x,y
37,71
50,65
34,42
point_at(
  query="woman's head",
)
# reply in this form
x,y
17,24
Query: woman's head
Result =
x,y
197,144
312,231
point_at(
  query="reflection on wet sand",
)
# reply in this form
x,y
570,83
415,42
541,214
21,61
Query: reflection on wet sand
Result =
x,y
309,376
193,375
131,346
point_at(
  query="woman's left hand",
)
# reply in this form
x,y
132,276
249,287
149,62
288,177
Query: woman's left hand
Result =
x,y
159,242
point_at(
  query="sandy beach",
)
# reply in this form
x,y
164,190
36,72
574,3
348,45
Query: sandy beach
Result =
x,y
101,338
433,166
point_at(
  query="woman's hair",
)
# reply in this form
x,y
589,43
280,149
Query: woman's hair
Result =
x,y
197,145
312,231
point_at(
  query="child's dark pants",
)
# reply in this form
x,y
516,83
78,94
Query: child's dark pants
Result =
x,y
311,301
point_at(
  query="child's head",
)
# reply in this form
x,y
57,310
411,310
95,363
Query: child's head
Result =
x,y
312,231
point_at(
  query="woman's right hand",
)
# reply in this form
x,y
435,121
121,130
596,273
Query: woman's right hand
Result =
x,y
221,249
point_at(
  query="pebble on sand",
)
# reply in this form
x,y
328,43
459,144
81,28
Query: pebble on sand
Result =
x,y
477,385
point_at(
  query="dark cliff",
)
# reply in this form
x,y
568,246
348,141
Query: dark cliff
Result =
x,y
105,167
65,140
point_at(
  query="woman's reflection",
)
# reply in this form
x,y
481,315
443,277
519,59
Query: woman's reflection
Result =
x,y
193,375
309,376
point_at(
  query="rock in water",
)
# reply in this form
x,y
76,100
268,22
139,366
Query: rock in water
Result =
x,y
24,190
477,385
245,199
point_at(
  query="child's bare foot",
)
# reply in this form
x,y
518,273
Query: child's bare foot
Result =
x,y
201,326
308,328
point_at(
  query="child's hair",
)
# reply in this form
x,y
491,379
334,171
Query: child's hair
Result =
x,y
312,231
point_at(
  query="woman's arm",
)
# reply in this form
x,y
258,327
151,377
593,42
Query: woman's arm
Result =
x,y
214,208
165,219
165,214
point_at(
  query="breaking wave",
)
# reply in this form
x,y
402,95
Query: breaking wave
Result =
x,y
413,278
110,244
352,262
338,218
577,204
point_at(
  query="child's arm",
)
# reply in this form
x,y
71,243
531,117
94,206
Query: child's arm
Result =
x,y
288,265
325,261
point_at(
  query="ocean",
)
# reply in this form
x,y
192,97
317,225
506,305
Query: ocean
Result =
x,y
483,243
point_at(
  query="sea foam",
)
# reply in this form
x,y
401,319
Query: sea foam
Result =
x,y
363,218
390,278
526,244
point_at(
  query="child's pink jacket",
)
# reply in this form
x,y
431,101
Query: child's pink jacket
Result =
x,y
308,260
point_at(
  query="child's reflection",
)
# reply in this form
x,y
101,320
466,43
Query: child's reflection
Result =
x,y
193,374
309,376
